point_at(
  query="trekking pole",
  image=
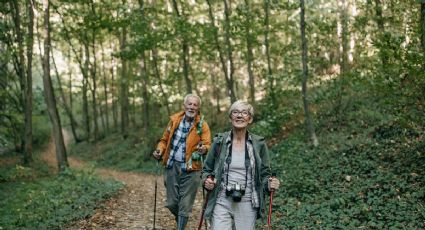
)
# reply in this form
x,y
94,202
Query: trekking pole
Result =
x,y
269,219
156,189
205,205
203,197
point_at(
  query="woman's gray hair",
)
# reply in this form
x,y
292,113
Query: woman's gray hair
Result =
x,y
242,104
194,96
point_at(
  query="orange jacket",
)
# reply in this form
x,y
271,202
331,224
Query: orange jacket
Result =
x,y
192,139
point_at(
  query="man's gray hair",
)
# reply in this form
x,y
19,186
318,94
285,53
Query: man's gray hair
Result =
x,y
194,96
242,104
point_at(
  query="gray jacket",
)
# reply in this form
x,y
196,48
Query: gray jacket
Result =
x,y
215,162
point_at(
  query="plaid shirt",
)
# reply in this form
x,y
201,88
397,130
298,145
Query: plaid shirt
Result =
x,y
178,144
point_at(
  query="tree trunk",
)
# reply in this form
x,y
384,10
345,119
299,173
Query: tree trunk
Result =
x,y
94,79
49,95
145,79
343,61
422,23
229,82
105,89
145,82
158,76
379,17
20,71
28,86
267,46
216,92
113,92
85,88
73,129
381,31
67,109
230,67
124,87
249,54
84,71
185,51
344,39
308,119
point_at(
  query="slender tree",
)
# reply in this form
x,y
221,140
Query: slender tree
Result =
x,y
49,94
70,96
185,47
105,88
113,91
86,86
158,76
224,68
344,38
145,78
19,65
28,84
124,83
230,67
267,48
304,58
84,71
93,72
65,105
249,53
422,24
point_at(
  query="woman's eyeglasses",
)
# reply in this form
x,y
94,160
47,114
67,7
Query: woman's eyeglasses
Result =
x,y
244,113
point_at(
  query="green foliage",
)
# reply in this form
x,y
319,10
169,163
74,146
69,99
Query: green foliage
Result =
x,y
271,117
41,130
131,154
16,172
368,171
374,186
50,203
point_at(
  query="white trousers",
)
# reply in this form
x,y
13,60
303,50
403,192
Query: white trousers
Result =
x,y
229,215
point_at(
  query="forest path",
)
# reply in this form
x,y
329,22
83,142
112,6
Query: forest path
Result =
x,y
133,207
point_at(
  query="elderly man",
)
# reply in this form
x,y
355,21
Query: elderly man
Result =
x,y
184,141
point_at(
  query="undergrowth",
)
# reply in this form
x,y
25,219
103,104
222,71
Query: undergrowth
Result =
x,y
130,154
367,173
51,202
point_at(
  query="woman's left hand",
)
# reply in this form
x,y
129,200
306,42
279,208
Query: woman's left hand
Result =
x,y
273,183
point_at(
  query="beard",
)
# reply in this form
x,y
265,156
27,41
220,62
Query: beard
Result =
x,y
190,114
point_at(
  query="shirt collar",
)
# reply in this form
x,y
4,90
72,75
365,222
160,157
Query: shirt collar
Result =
x,y
229,137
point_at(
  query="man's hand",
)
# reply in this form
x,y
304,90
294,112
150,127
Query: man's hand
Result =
x,y
210,183
202,148
157,154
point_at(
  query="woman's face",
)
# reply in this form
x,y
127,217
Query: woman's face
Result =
x,y
240,118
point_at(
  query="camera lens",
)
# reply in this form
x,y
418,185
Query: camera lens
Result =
x,y
236,196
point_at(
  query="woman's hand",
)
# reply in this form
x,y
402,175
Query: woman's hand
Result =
x,y
273,183
209,183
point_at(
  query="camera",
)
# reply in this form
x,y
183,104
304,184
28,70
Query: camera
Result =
x,y
236,191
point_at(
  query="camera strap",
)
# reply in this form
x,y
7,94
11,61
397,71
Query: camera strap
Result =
x,y
229,160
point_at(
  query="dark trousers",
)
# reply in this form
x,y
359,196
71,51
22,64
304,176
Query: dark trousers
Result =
x,y
181,189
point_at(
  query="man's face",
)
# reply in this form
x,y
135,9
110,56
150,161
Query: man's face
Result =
x,y
191,107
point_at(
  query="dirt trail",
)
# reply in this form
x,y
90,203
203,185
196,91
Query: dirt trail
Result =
x,y
133,207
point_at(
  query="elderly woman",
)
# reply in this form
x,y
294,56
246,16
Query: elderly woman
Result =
x,y
237,172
